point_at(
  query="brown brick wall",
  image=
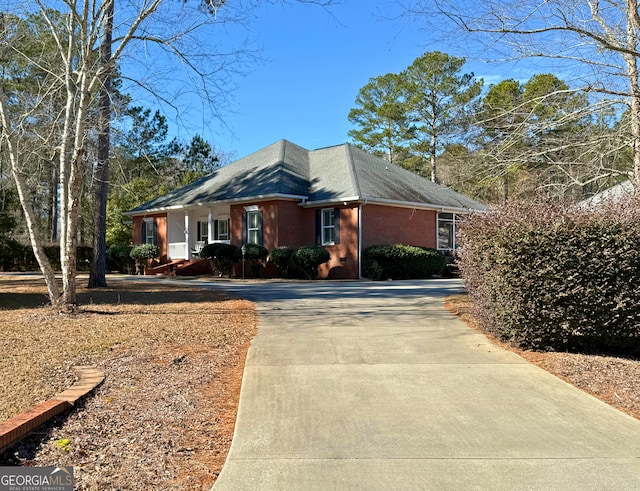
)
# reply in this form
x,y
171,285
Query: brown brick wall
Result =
x,y
391,225
280,221
286,223
289,220
344,256
161,220
235,224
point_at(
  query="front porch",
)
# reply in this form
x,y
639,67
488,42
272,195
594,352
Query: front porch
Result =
x,y
188,231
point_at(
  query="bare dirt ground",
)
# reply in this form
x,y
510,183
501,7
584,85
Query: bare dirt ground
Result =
x,y
173,358
614,380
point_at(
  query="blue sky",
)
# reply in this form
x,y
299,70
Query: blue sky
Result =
x,y
315,62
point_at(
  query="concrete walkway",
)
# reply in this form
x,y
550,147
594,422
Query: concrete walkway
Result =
x,y
374,386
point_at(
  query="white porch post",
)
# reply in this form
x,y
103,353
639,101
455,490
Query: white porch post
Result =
x,y
187,252
210,226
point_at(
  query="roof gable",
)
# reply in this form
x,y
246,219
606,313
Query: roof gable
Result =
x,y
279,169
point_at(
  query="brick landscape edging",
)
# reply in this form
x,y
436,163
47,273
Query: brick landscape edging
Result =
x,y
21,425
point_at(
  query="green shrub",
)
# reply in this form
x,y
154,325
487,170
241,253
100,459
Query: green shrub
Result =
x,y
401,262
554,277
84,257
281,257
435,262
53,255
308,258
208,251
119,259
142,253
17,257
222,257
11,252
256,256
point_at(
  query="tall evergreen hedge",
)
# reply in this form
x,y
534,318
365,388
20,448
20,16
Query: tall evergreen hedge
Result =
x,y
553,277
15,256
309,258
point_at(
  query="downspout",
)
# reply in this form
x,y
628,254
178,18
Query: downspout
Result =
x,y
441,210
360,239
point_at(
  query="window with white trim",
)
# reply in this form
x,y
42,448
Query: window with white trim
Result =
x,y
328,226
447,224
221,229
149,231
253,227
203,231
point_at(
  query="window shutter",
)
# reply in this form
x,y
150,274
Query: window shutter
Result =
x,y
336,225
245,229
318,227
260,234
216,235
155,232
143,232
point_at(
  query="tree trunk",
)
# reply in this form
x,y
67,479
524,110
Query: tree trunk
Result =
x,y
72,182
53,204
506,182
34,238
97,276
434,142
632,73
25,201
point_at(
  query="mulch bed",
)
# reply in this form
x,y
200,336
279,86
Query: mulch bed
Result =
x,y
173,357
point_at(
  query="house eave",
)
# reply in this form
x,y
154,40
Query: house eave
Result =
x,y
233,201
329,202
419,205
387,202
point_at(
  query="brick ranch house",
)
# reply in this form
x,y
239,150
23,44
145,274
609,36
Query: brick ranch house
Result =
x,y
339,197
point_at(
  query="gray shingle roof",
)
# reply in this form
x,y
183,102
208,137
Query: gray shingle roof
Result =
x,y
338,173
613,194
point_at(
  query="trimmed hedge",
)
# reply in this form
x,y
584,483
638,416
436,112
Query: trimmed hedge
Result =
x,y
281,258
18,257
119,259
144,251
400,262
308,258
222,257
551,277
11,254
255,256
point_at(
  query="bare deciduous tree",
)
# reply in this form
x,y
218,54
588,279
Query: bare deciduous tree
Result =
x,y
598,42
163,32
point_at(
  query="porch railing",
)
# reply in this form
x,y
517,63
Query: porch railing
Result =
x,y
177,250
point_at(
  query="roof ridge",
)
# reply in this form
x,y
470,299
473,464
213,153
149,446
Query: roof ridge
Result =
x,y
351,166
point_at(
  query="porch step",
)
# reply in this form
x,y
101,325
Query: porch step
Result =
x,y
181,267
194,267
165,269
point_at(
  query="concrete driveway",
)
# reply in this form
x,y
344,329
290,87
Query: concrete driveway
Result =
x,y
374,386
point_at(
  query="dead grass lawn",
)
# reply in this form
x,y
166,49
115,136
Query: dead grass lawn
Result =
x,y
173,358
